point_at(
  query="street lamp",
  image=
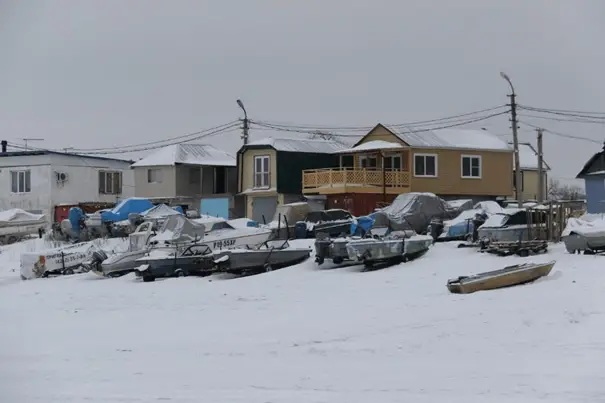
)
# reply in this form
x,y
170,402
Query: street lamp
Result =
x,y
513,112
245,128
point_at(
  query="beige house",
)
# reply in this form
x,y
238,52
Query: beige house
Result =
x,y
188,174
530,185
452,163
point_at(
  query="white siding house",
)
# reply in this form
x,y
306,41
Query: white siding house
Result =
x,y
37,181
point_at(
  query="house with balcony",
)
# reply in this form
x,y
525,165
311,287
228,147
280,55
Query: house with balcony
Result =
x,y
388,161
530,178
270,171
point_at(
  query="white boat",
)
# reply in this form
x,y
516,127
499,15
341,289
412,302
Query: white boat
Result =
x,y
176,233
63,260
17,223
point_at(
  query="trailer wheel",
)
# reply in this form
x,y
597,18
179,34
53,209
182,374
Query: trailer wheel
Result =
x,y
268,268
68,271
523,253
148,278
180,273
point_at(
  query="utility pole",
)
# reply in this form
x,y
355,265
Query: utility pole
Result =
x,y
25,140
513,112
540,167
246,126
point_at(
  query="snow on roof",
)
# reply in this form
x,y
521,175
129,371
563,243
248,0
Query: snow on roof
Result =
x,y
191,154
301,145
528,157
465,139
373,145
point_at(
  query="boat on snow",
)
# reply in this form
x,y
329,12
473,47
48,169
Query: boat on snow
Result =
x,y
507,277
176,234
16,224
389,248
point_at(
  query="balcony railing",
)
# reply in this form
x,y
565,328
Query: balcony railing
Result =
x,y
343,177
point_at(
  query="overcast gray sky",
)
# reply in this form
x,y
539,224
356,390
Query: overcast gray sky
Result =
x,y
108,73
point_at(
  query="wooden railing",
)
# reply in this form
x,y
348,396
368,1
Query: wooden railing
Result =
x,y
335,177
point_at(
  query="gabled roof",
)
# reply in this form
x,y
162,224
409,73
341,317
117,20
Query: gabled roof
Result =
x,y
189,154
597,161
460,139
528,157
301,145
49,152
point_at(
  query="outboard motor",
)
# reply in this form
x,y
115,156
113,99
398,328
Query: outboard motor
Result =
x,y
478,220
77,219
436,227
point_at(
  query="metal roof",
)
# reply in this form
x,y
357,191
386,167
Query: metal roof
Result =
x,y
49,152
298,145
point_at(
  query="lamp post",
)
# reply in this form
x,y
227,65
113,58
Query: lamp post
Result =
x,y
245,121
513,112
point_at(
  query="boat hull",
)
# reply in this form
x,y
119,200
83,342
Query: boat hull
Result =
x,y
334,249
241,261
506,277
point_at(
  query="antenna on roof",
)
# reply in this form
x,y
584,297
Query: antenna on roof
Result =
x,y
25,140
324,136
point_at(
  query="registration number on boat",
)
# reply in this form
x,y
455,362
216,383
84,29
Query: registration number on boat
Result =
x,y
224,243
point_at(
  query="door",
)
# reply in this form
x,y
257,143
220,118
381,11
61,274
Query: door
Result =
x,y
264,206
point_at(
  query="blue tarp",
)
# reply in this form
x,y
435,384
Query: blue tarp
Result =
x,y
125,207
75,216
362,224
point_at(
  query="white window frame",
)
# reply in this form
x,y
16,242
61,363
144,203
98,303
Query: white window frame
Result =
x,y
21,189
471,158
264,184
159,175
109,182
424,156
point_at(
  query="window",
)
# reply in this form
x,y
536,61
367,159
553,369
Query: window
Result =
x,y
346,161
392,162
195,176
471,166
21,182
368,162
261,172
154,175
425,165
110,183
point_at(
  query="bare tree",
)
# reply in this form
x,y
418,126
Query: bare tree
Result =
x,y
558,191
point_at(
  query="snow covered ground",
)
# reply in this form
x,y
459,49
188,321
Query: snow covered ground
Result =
x,y
304,334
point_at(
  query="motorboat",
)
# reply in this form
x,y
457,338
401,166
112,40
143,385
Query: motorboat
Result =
x,y
270,256
66,259
584,234
122,262
512,224
194,259
391,247
334,249
220,234
16,224
334,222
506,277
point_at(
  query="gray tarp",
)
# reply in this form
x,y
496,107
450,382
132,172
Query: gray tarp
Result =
x,y
413,211
179,229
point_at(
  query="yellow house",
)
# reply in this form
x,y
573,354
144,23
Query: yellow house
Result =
x,y
388,161
530,184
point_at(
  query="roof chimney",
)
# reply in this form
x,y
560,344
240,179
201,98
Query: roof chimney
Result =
x,y
4,143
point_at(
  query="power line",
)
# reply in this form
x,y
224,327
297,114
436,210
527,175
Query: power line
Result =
x,y
563,110
368,128
552,112
198,133
570,120
117,150
412,130
569,136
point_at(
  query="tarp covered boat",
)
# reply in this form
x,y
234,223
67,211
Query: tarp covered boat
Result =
x,y
586,233
17,223
413,211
